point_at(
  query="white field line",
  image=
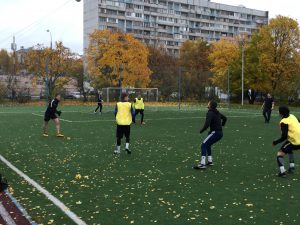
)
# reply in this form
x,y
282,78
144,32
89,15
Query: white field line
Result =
x,y
5,216
166,118
53,199
35,114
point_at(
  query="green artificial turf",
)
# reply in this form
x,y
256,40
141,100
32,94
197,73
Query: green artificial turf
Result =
x,y
156,183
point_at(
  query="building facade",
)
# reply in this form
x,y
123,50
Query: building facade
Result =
x,y
169,23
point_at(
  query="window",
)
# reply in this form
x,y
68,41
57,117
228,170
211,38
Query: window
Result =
x,y
102,19
112,20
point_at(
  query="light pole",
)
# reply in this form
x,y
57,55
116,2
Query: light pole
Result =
x,y
242,41
228,87
179,88
47,70
50,38
243,64
120,82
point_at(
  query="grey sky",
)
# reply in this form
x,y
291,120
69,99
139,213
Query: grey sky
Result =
x,y
29,19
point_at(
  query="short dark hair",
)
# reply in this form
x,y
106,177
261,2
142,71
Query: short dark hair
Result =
x,y
284,111
124,95
213,104
57,94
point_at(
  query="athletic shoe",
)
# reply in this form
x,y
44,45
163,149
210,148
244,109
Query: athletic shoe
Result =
x,y
282,174
59,135
143,123
209,163
128,151
291,170
45,135
199,167
116,152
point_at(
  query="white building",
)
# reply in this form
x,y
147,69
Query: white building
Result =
x,y
171,22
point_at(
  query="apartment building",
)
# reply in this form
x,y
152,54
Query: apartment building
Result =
x,y
170,23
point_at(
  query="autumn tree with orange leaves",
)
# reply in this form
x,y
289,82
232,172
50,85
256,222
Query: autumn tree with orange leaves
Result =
x,y
109,50
57,62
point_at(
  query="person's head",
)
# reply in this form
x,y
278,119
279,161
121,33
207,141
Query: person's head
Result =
x,y
269,95
139,95
212,104
125,97
58,96
284,111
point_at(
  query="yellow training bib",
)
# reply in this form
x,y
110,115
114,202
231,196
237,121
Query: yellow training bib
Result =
x,y
139,103
124,116
294,129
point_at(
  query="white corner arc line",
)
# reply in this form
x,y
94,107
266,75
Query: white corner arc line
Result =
x,y
53,199
5,215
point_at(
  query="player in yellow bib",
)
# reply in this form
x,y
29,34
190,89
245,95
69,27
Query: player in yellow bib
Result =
x,y
139,107
290,129
125,115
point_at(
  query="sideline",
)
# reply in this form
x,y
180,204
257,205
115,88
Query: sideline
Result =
x,y
53,199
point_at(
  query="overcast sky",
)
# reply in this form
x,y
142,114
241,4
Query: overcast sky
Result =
x,y
28,20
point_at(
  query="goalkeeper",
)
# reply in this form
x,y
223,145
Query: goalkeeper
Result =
x,y
51,113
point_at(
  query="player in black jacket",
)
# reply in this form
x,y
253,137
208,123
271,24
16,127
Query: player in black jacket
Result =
x,y
51,113
215,120
100,101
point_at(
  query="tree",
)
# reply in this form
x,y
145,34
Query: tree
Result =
x,y
278,54
5,62
195,67
56,61
164,69
109,50
77,72
225,58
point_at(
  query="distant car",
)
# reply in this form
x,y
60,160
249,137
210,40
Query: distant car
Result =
x,y
69,97
76,94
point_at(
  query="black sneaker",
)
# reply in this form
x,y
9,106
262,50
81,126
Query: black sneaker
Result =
x,y
283,175
209,163
199,167
128,151
291,170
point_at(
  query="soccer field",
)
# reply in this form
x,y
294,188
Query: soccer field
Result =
x,y
156,183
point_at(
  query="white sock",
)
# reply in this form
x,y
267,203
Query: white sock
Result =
x,y
127,146
282,170
118,149
292,165
203,160
209,158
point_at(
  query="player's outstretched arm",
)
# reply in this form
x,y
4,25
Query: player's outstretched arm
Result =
x,y
224,119
284,133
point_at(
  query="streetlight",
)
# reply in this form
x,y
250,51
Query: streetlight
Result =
x,y
47,69
50,38
242,41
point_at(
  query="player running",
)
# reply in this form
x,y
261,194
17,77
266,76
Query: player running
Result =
x,y
139,106
215,120
290,133
267,107
100,101
125,115
51,114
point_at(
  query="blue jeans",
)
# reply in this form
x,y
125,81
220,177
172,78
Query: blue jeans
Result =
x,y
212,138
